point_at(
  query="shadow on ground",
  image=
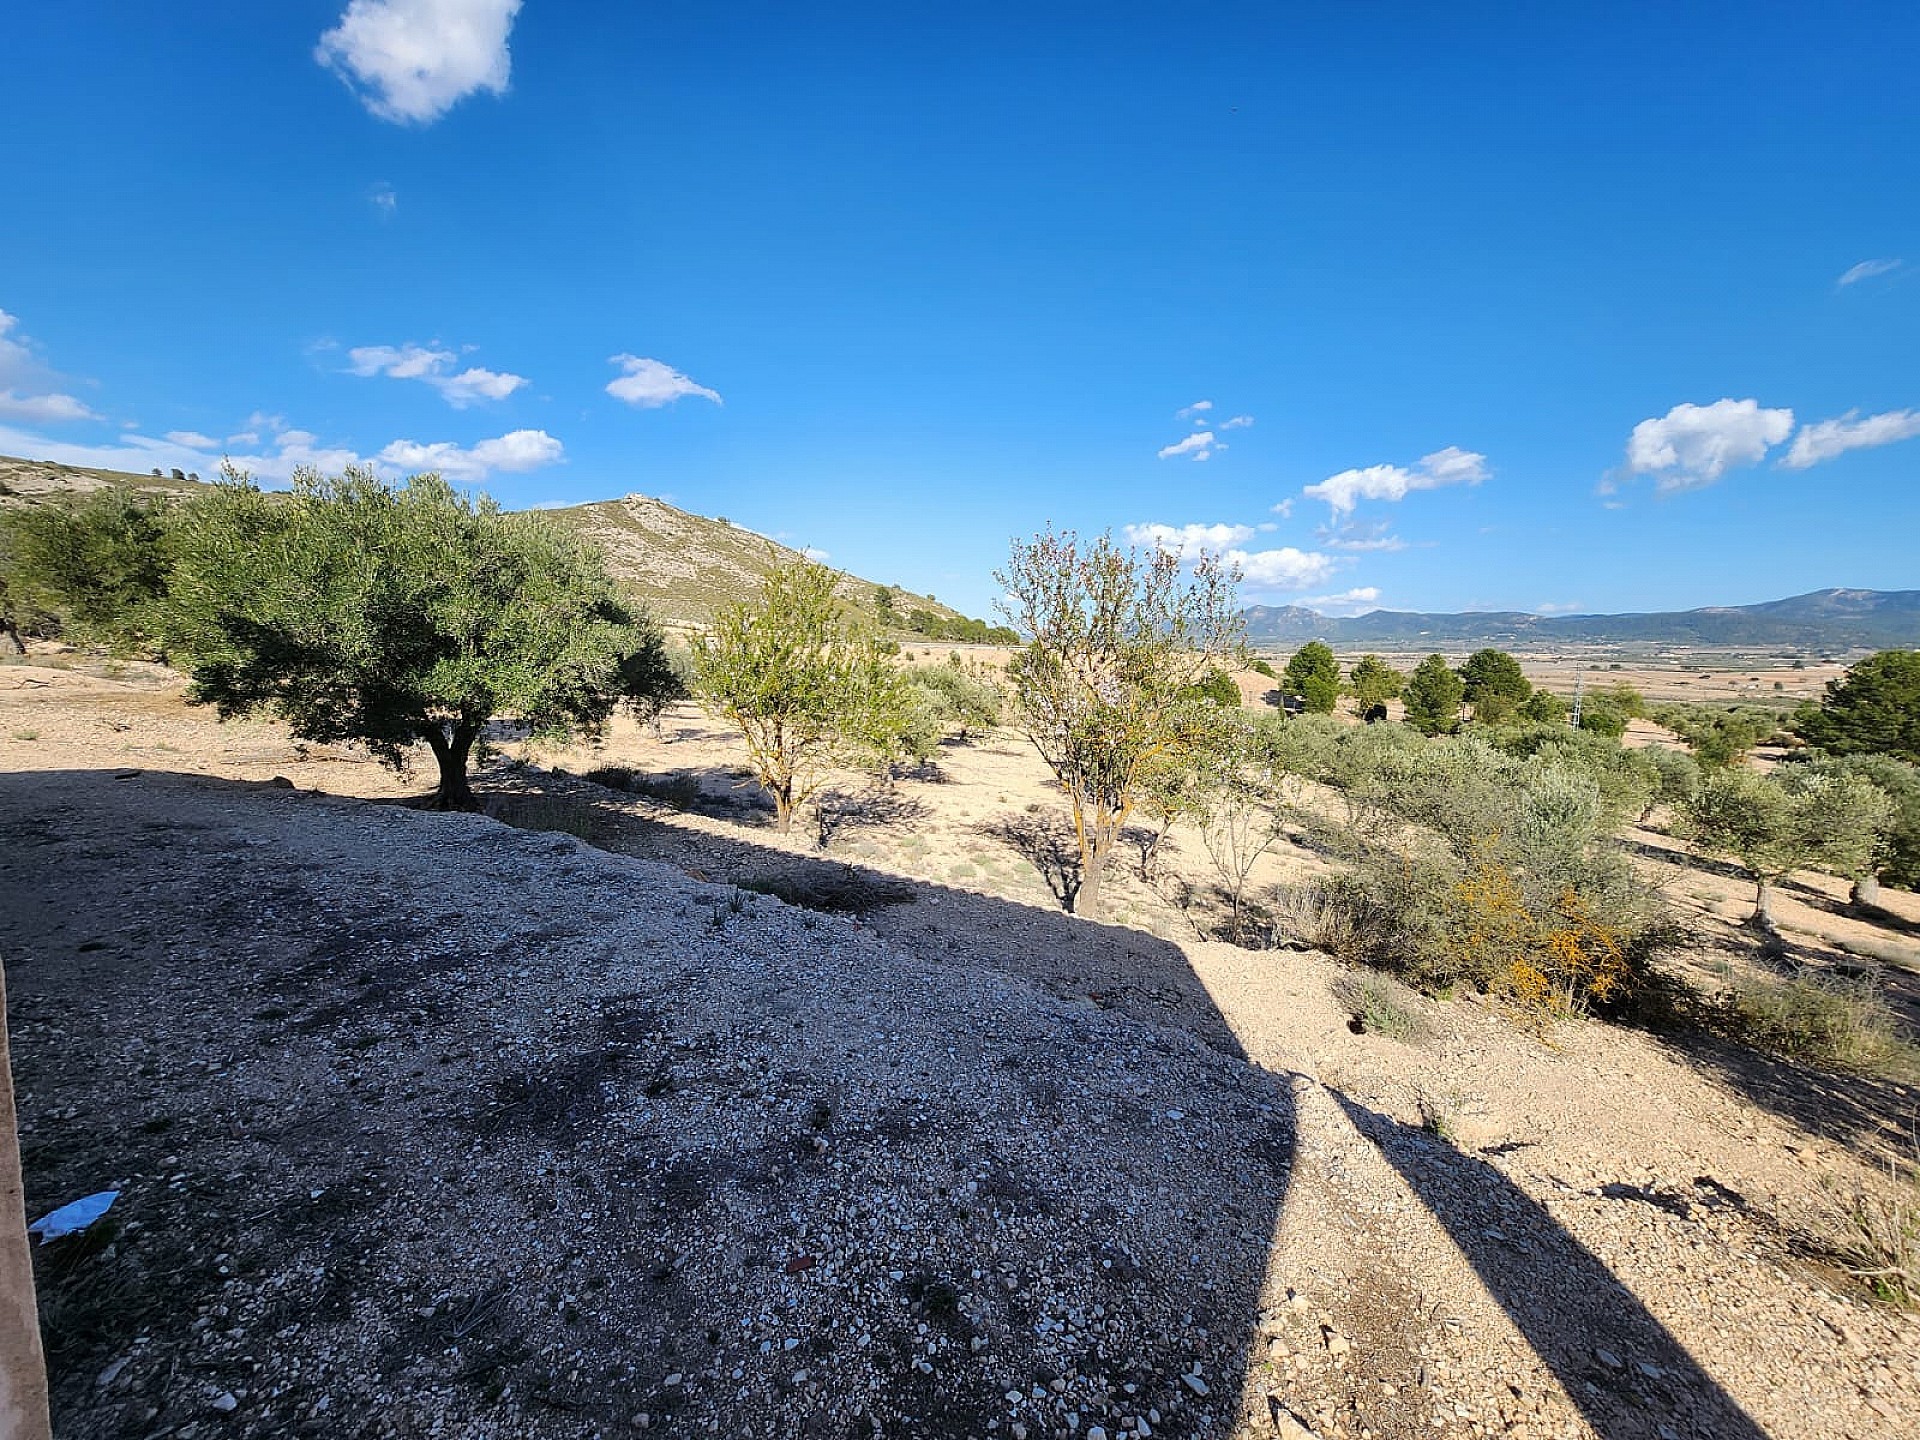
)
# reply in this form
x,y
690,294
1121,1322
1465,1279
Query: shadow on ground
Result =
x,y
1627,1374
464,1125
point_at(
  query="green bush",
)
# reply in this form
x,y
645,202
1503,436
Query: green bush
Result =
x,y
1825,1019
1433,696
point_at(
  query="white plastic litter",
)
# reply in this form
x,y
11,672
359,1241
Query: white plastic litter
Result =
x,y
72,1219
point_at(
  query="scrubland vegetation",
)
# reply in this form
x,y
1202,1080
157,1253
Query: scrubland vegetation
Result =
x,y
1475,843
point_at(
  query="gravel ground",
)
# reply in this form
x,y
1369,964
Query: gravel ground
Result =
x,y
426,1125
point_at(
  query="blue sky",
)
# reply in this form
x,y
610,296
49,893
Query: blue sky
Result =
x,y
1545,307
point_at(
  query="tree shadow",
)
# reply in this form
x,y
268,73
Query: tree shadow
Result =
x,y
1045,841
837,810
1688,859
1624,1370
368,1043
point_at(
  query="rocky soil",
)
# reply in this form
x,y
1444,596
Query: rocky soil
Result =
x,y
431,1125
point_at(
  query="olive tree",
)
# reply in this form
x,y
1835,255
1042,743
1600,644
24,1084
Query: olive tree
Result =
x,y
95,565
1791,819
1116,642
357,611
808,689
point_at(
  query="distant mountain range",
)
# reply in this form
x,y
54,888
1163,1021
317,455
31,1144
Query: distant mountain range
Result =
x,y
1822,620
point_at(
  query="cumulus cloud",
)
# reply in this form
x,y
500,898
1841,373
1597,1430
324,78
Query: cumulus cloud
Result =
x,y
1694,445
813,552
1557,607
1866,270
1198,407
1198,446
1356,601
1828,438
43,409
23,380
650,384
515,451
410,61
1236,422
1451,466
1283,569
1189,541
459,388
287,450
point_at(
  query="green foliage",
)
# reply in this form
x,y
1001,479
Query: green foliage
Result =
x,y
1240,810
1603,720
1509,878
1874,709
1543,707
806,687
1375,682
1821,1018
1216,687
1678,773
1433,696
357,612
95,565
956,628
1492,682
1796,817
1263,667
1628,780
965,699
1898,862
1314,675
1117,640
1718,736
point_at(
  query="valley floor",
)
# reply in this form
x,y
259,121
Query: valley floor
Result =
x,y
429,1124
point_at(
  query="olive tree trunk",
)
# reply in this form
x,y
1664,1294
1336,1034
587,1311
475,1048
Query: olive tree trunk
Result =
x,y
23,1368
1763,920
452,744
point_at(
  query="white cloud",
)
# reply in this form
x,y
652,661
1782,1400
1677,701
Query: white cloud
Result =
x,y
514,451
410,61
1283,569
1828,438
1189,541
1358,536
1866,270
1557,607
1694,445
43,409
1236,422
1356,601
23,377
650,384
435,367
289,450
1284,509
1198,407
384,198
814,553
1451,466
1198,446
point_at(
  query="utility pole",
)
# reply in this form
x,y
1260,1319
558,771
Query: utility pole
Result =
x,y
1579,692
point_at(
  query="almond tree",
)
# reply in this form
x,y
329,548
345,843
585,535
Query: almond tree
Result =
x,y
1115,641
806,687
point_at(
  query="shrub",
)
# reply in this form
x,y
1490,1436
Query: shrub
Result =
x,y
97,565
1314,675
1381,1007
1217,687
1829,1020
1717,737
1375,682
